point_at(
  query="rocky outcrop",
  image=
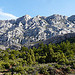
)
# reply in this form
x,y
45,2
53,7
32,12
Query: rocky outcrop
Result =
x,y
72,19
56,39
26,30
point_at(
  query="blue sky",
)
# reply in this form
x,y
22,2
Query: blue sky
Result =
x,y
11,9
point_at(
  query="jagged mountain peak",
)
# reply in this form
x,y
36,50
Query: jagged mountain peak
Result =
x,y
72,19
57,17
38,16
27,17
73,16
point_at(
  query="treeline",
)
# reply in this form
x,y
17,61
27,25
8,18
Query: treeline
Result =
x,y
17,60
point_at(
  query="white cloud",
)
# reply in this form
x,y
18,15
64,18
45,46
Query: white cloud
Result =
x,y
6,16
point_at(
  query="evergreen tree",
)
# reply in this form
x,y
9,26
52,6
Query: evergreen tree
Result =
x,y
32,55
50,55
29,60
24,49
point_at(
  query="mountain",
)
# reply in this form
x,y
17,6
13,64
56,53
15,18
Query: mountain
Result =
x,y
26,30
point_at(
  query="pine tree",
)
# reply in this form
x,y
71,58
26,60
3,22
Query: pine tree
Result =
x,y
50,55
29,60
32,55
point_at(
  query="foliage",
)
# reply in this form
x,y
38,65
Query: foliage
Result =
x,y
62,54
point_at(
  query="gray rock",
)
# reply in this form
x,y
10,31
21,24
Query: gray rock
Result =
x,y
27,31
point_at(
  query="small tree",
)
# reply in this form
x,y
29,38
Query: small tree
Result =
x,y
32,55
50,55
29,60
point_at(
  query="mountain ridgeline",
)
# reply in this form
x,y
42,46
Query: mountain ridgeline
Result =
x,y
30,31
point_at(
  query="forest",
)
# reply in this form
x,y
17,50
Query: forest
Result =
x,y
51,59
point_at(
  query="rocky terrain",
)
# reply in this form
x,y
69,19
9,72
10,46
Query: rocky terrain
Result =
x,y
26,30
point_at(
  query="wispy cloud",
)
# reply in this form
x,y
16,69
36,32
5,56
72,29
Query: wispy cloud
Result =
x,y
6,16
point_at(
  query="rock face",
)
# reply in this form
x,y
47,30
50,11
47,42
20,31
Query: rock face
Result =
x,y
26,30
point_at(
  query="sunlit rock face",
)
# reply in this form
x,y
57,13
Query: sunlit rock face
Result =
x,y
26,30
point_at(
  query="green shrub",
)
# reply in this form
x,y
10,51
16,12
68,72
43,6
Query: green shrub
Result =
x,y
7,74
43,70
67,69
18,69
42,59
26,68
36,73
73,66
6,65
50,65
30,70
58,66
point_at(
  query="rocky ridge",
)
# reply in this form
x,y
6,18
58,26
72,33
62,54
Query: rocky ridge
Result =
x,y
26,30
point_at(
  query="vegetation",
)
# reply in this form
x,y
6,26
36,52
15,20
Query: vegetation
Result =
x,y
46,59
